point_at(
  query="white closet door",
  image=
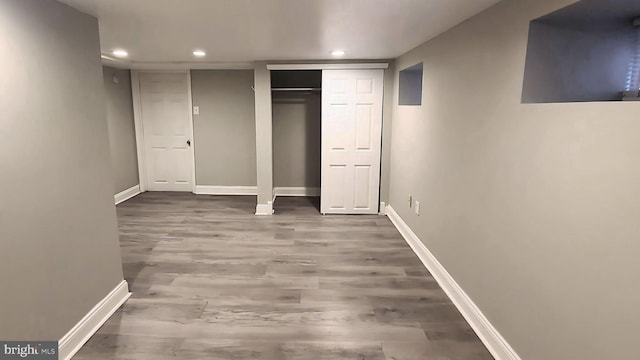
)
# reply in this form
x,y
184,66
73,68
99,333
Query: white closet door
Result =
x,y
166,126
351,141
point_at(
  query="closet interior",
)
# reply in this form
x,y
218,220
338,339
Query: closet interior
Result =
x,y
296,114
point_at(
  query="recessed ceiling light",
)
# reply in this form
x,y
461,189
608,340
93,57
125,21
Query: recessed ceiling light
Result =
x,y
120,53
337,52
199,53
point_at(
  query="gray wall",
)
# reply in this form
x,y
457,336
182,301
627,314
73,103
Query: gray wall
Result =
x,y
122,133
296,140
225,130
387,126
532,208
59,240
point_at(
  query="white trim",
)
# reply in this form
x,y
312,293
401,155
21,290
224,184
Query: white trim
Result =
x,y
191,131
265,209
492,339
226,190
126,194
72,341
383,208
137,119
164,66
114,62
296,191
109,60
192,65
331,66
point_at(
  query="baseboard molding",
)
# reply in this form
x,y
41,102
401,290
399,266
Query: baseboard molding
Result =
x,y
92,321
126,194
264,209
226,190
383,208
296,191
492,339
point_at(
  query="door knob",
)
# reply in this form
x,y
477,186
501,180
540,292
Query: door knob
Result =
x,y
189,142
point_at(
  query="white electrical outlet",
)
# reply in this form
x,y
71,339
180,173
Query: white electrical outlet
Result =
x,y
417,208
196,110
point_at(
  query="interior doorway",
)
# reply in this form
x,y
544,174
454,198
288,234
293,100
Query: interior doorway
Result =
x,y
164,130
327,137
296,129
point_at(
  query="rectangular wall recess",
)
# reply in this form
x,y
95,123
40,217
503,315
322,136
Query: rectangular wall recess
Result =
x,y
411,86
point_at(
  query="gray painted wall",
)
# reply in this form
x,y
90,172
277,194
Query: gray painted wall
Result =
x,y
60,252
296,139
387,126
122,133
532,208
225,130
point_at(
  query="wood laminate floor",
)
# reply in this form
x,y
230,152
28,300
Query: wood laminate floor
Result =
x,y
212,281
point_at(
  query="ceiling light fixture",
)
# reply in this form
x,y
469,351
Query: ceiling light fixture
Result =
x,y
120,53
337,52
199,53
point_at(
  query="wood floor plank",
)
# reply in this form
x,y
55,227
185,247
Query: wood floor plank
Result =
x,y
210,280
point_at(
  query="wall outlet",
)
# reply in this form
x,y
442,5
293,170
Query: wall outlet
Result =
x,y
417,207
196,110
410,201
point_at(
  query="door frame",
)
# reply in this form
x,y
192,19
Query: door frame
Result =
x,y
139,125
270,66
328,66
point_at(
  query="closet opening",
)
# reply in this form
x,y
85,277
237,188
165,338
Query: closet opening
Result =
x,y
297,147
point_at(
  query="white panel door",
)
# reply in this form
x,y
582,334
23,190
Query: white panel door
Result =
x,y
351,141
166,122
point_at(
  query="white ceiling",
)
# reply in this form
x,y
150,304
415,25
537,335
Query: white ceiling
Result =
x,y
165,31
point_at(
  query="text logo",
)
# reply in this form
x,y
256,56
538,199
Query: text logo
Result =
x,y
31,350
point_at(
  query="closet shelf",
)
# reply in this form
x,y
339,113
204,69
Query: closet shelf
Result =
x,y
296,89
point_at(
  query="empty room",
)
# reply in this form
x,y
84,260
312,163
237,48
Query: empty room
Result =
x,y
319,179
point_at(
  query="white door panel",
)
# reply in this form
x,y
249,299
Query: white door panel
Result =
x,y
351,141
167,131
362,187
336,187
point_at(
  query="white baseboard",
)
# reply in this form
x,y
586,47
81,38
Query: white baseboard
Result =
x,y
383,208
296,191
226,190
264,209
91,322
126,194
492,339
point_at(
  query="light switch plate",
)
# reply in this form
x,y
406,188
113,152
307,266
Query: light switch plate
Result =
x,y
417,207
196,110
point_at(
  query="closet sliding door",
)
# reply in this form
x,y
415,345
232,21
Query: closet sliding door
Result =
x,y
351,141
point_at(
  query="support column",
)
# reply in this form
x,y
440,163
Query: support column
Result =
x,y
264,138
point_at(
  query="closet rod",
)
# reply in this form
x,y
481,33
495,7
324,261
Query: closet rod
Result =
x,y
296,89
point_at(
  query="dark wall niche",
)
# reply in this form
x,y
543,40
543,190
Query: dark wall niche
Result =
x,y
582,52
296,79
410,85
